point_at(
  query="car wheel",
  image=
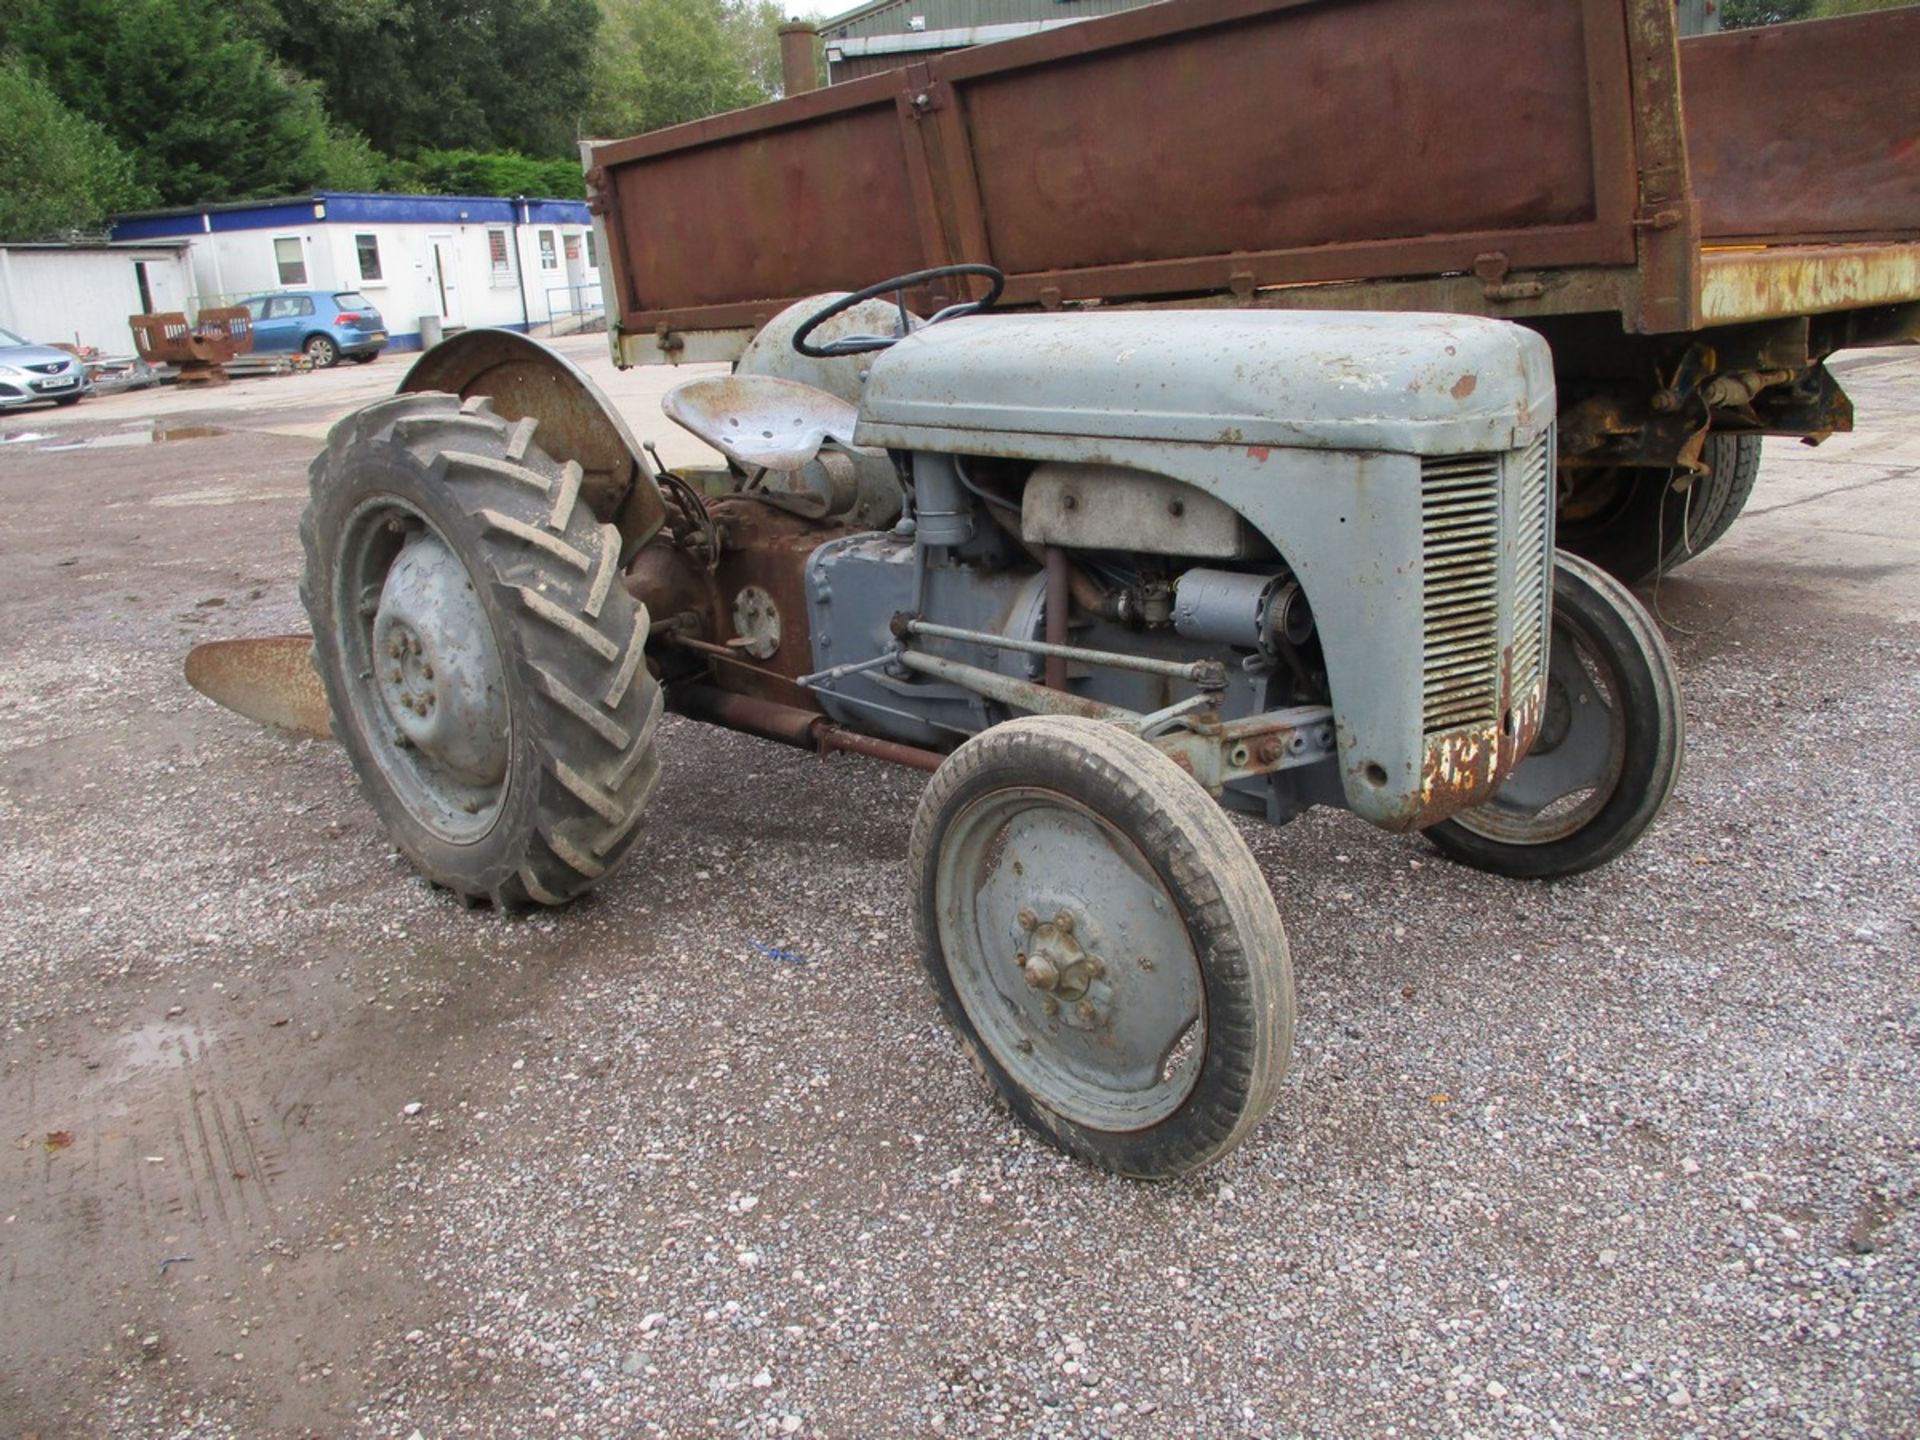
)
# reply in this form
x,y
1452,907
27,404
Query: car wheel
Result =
x,y
322,351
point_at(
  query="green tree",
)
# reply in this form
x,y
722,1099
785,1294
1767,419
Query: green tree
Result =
x,y
752,30
1743,14
470,172
418,75
59,172
661,62
201,106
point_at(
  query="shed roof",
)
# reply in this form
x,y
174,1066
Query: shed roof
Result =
x,y
891,17
349,207
117,247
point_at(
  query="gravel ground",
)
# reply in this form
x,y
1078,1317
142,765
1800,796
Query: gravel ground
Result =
x,y
1632,1154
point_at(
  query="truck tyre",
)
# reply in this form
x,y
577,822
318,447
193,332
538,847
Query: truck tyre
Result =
x,y
1633,523
483,662
1100,937
1608,749
1736,465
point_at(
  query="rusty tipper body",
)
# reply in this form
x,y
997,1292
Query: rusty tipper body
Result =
x,y
1694,225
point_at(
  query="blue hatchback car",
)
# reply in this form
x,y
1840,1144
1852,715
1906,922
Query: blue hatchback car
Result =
x,y
327,324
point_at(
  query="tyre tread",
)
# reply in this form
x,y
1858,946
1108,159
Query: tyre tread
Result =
x,y
577,639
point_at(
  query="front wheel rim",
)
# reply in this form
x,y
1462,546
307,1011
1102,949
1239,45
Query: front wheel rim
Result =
x,y
425,683
1071,958
1577,759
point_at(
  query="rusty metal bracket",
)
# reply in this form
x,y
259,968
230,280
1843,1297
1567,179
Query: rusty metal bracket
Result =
x,y
1491,270
1215,752
1219,753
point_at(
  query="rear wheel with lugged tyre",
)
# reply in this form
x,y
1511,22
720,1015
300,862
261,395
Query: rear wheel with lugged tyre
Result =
x,y
484,664
1636,522
1608,749
1101,938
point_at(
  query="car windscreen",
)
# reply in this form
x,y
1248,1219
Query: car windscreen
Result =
x,y
352,300
7,337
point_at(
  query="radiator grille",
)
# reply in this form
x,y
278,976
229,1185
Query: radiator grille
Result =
x,y
1460,593
1531,568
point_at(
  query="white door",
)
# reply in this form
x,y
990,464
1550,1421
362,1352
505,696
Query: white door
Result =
x,y
163,284
446,278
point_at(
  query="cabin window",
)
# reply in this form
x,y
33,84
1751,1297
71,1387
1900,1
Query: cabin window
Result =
x,y
291,258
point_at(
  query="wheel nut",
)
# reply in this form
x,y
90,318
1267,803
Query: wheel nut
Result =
x,y
1050,1006
1021,959
1064,922
1028,920
396,647
1084,1010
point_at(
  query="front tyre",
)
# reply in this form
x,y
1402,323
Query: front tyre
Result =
x,y
1099,935
482,660
1608,750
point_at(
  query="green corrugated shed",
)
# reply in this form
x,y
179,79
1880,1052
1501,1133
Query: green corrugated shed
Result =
x,y
889,33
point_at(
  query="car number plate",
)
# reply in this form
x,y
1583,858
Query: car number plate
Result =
x,y
60,384
376,335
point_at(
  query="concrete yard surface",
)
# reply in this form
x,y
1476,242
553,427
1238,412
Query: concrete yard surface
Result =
x,y
292,1145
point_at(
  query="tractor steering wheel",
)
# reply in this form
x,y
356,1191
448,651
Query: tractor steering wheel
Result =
x,y
898,287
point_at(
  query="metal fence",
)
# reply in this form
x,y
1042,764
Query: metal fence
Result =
x,y
573,310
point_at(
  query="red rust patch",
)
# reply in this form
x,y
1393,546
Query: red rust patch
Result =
x,y
1465,386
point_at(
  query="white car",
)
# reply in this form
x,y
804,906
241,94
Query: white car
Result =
x,y
30,372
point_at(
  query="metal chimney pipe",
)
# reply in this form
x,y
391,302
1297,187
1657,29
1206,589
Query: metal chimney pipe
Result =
x,y
799,57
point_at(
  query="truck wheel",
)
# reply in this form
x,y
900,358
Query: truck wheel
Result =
x,y
1099,935
481,657
1608,750
1634,524
1736,465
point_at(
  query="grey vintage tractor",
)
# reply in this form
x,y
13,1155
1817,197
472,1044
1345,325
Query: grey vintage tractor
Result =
x,y
1109,576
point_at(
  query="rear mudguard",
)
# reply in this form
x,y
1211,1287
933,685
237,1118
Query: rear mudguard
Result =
x,y
577,421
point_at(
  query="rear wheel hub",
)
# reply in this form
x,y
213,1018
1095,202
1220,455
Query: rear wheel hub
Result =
x,y
436,666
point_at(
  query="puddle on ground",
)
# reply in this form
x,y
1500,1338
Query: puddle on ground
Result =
x,y
157,1045
123,439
